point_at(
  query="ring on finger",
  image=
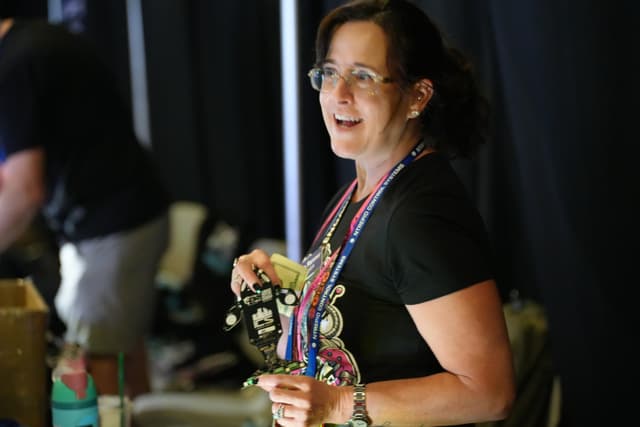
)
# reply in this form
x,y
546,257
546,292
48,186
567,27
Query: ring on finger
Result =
x,y
235,262
279,412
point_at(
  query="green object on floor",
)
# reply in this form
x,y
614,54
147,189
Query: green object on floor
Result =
x,y
74,402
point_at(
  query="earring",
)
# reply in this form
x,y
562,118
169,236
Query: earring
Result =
x,y
413,114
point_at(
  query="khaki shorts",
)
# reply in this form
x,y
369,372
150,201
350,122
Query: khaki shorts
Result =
x,y
107,294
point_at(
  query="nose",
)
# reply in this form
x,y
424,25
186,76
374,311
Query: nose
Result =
x,y
342,89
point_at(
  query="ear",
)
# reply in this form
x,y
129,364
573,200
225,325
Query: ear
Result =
x,y
421,93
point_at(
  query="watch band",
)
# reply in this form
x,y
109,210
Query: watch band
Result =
x,y
359,418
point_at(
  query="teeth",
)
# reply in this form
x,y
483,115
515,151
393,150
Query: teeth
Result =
x,y
344,118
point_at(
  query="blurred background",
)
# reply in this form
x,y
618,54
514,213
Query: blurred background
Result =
x,y
555,185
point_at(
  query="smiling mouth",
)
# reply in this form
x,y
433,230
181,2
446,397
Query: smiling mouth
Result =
x,y
346,121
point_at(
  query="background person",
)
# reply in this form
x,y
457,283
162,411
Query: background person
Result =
x,y
71,154
400,294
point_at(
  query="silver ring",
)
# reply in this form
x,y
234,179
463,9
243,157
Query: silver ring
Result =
x,y
279,412
235,262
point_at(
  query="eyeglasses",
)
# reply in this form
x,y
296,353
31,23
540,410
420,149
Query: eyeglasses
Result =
x,y
325,79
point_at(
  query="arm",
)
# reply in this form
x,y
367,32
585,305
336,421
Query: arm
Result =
x,y
22,193
467,333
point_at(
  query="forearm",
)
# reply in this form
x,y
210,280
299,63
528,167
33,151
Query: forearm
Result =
x,y
14,220
22,193
441,399
436,400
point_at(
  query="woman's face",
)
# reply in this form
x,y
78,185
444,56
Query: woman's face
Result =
x,y
364,125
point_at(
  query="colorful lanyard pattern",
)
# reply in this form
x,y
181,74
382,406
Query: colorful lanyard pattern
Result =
x,y
322,285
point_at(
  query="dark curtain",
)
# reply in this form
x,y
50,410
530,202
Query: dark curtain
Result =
x,y
214,89
568,93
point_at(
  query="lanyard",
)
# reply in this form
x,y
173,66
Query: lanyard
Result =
x,y
355,230
319,280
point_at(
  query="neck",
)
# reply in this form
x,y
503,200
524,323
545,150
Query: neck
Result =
x,y
5,25
368,174
367,179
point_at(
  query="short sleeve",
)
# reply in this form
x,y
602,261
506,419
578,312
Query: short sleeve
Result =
x,y
20,118
437,245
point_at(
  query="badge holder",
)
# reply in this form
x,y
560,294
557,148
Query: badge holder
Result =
x,y
259,311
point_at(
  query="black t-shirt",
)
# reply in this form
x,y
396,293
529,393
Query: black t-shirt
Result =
x,y
425,239
55,93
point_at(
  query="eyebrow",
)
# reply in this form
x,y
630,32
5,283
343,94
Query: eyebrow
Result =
x,y
355,64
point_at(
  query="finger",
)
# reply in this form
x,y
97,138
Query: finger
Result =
x,y
271,272
291,382
284,414
262,261
243,273
279,393
245,266
267,382
277,410
236,281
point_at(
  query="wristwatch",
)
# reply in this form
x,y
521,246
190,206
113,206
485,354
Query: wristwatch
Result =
x,y
359,418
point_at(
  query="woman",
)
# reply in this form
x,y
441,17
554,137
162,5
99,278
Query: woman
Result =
x,y
399,294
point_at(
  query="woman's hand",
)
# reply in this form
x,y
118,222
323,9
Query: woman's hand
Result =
x,y
243,270
304,401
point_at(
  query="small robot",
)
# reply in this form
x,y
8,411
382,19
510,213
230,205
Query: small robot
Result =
x,y
259,311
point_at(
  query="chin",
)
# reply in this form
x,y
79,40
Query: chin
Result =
x,y
343,150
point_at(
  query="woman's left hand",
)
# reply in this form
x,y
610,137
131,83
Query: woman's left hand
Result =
x,y
304,401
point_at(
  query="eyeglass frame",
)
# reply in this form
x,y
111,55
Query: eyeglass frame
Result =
x,y
320,69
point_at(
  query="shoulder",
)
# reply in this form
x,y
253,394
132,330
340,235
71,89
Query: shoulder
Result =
x,y
429,186
25,36
436,241
22,47
430,212
37,40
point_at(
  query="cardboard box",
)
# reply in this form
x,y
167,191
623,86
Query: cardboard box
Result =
x,y
23,325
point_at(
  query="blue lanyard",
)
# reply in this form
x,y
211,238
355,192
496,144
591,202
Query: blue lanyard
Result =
x,y
348,245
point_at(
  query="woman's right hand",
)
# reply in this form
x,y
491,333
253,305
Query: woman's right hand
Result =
x,y
243,270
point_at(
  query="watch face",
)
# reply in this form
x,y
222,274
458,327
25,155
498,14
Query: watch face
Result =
x,y
359,423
